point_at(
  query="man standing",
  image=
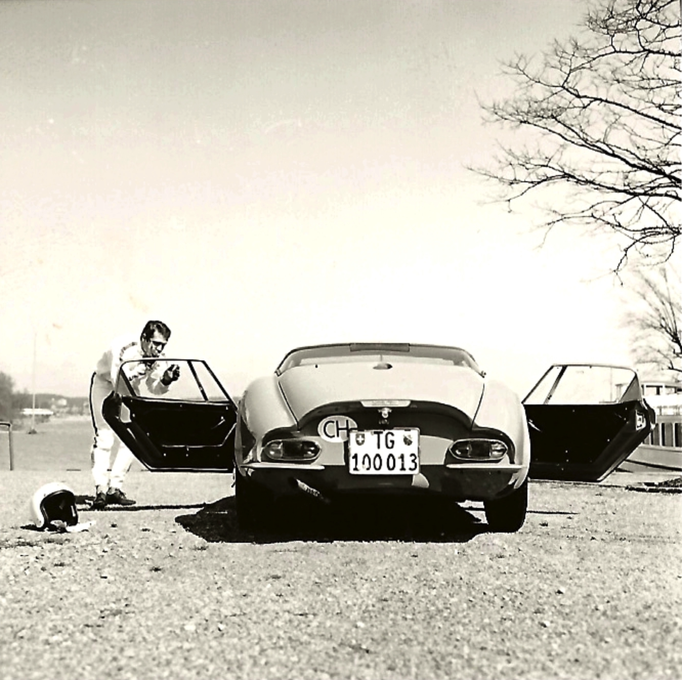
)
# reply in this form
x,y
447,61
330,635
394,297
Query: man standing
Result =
x,y
157,376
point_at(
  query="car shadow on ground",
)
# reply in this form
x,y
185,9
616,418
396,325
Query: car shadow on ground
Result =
x,y
365,520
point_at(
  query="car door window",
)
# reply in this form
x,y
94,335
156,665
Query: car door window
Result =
x,y
585,385
196,383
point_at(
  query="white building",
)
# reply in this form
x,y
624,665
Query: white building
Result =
x,y
664,395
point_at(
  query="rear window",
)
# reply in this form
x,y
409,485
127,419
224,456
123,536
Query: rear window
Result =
x,y
366,352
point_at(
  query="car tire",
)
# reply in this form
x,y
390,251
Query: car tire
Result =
x,y
254,504
507,514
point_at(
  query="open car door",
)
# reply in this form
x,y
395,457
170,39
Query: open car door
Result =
x,y
189,426
585,420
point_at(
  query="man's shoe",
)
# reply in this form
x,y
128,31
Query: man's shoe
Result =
x,y
117,497
100,501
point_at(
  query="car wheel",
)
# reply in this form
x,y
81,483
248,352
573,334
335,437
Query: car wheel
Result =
x,y
254,504
509,512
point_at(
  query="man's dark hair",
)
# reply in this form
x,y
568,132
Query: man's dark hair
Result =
x,y
152,327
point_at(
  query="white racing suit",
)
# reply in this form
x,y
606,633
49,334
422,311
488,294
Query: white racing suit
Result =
x,y
101,386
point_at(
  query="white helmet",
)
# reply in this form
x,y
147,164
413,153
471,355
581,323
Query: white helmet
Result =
x,y
53,503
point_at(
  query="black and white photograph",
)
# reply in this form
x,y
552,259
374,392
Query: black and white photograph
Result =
x,y
341,339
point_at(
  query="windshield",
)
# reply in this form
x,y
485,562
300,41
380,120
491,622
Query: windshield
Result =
x,y
363,352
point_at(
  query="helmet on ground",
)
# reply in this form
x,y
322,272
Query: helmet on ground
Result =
x,y
53,504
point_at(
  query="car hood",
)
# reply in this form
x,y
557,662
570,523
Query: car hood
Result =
x,y
307,388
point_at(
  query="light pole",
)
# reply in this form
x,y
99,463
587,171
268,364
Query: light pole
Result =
x,y
33,386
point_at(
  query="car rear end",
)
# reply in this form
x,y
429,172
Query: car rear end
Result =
x,y
385,426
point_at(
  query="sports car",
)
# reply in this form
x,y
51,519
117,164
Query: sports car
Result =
x,y
341,420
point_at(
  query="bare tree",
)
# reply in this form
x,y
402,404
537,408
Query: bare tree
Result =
x,y
6,392
656,318
603,112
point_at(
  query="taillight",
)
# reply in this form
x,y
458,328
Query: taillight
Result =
x,y
291,449
479,449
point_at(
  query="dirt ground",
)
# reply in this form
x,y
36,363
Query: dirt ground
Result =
x,y
591,587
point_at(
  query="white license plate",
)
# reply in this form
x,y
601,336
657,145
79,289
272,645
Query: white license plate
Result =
x,y
383,452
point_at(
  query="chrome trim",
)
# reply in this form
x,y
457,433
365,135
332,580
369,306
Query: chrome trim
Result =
x,y
378,403
492,465
284,466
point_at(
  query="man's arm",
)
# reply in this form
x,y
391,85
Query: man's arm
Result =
x,y
161,377
126,351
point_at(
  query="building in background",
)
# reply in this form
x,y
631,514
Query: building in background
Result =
x,y
662,449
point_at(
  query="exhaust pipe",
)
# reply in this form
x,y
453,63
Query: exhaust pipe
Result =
x,y
302,486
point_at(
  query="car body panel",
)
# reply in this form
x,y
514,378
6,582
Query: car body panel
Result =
x,y
307,388
267,391
502,410
585,419
466,482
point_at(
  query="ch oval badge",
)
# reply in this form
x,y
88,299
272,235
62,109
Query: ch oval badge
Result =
x,y
336,428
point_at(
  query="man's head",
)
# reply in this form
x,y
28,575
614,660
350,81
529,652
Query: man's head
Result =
x,y
154,338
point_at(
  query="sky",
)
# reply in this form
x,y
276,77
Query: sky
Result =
x,y
266,174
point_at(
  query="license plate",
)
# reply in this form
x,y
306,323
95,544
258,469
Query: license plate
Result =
x,y
383,452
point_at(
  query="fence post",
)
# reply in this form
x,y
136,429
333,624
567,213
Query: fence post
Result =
x,y
11,448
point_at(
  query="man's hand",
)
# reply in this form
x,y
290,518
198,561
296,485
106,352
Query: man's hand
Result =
x,y
171,374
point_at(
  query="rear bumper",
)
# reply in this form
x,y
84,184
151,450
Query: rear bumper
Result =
x,y
461,482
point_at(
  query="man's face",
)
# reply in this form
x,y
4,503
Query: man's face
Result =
x,y
152,347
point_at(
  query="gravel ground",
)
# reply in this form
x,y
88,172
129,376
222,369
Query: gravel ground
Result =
x,y
591,587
